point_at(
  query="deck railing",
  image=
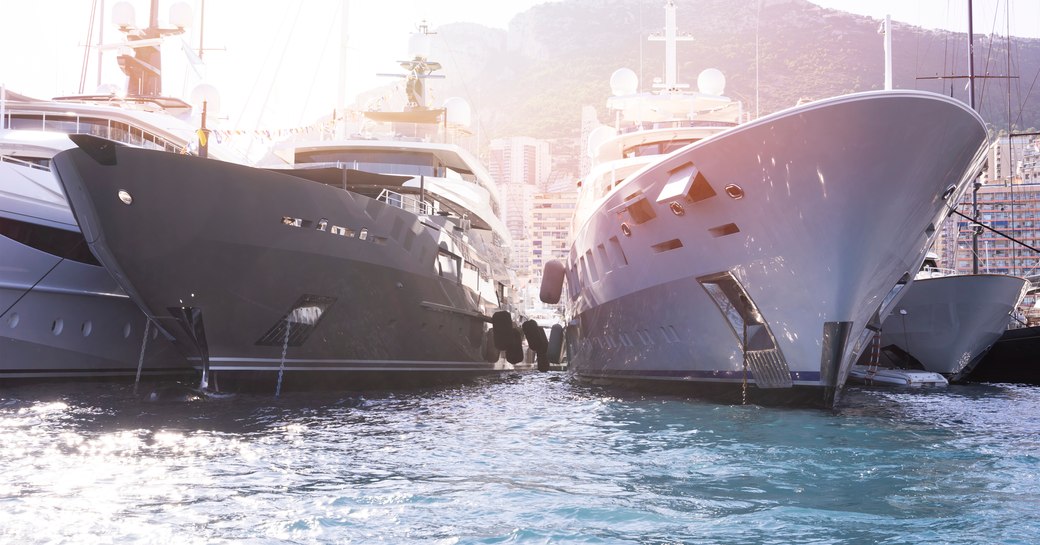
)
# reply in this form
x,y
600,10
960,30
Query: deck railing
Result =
x,y
406,202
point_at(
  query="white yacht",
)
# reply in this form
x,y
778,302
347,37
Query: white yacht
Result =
x,y
727,255
946,322
375,260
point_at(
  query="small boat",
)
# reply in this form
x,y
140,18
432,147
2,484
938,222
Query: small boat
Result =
x,y
946,322
759,256
377,260
888,376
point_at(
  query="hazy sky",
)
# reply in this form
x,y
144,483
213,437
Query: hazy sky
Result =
x,y
275,61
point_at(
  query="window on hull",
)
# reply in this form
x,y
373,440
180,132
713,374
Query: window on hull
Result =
x,y
58,242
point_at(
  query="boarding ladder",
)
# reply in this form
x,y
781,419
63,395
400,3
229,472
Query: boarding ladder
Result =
x,y
875,356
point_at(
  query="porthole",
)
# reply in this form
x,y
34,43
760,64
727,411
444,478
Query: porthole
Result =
x,y
126,331
626,229
677,208
86,328
734,191
57,326
125,197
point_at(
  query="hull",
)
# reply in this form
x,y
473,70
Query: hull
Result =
x,y
61,314
800,225
1013,358
948,323
257,272
67,320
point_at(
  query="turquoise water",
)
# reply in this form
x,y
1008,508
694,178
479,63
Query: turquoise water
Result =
x,y
526,458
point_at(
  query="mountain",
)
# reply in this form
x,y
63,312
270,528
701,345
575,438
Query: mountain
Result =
x,y
533,79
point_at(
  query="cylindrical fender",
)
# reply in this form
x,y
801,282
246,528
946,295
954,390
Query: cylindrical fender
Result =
x,y
535,336
515,351
555,350
552,282
502,325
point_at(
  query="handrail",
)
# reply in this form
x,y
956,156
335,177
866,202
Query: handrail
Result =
x,y
405,202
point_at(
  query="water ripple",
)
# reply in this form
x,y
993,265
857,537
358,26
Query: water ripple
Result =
x,y
527,458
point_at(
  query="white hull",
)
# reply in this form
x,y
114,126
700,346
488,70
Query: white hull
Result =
x,y
838,201
947,323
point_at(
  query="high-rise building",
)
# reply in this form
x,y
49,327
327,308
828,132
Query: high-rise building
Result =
x,y
550,227
1008,207
520,165
520,159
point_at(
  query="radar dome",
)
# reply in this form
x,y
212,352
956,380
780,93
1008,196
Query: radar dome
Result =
x,y
711,82
207,93
623,82
123,15
597,137
418,46
180,15
458,111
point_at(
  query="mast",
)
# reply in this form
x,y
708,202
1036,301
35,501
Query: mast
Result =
x,y
975,229
144,66
344,51
670,36
888,52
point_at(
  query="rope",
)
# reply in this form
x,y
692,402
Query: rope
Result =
x,y
140,359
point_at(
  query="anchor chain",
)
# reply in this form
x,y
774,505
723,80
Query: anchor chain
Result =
x,y
281,366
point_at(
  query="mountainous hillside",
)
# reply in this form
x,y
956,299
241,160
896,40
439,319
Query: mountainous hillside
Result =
x,y
556,57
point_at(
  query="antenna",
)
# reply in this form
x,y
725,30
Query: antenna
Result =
x,y
670,37
418,67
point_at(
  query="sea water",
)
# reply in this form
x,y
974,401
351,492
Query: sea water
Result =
x,y
522,458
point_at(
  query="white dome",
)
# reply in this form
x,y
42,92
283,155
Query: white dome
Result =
x,y
207,93
623,82
180,15
418,46
458,111
711,82
597,137
123,15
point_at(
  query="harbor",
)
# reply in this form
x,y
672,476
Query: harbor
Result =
x,y
702,286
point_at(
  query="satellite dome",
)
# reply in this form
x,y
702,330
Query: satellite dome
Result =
x,y
597,137
458,111
711,82
207,93
418,46
623,82
180,15
123,15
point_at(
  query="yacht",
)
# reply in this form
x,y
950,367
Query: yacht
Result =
x,y
378,259
62,315
946,322
758,257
